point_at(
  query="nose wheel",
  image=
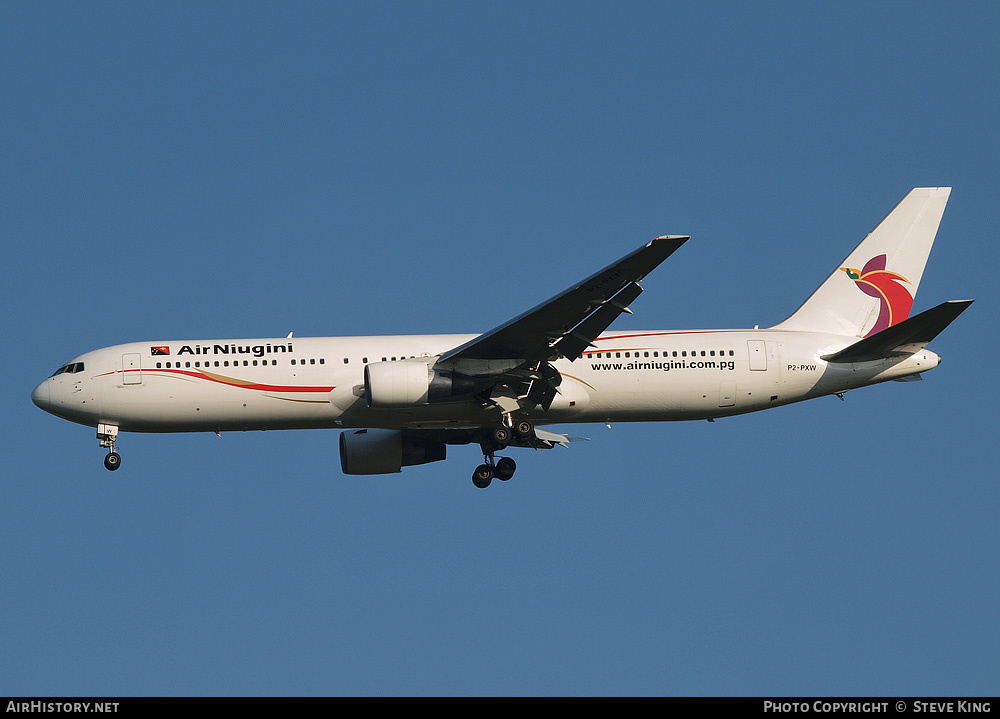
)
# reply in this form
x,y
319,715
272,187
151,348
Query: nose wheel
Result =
x,y
107,434
112,461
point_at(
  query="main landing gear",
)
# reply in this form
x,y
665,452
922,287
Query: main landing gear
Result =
x,y
499,438
108,433
502,469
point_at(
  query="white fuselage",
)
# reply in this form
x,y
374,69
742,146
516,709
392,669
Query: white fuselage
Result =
x,y
296,383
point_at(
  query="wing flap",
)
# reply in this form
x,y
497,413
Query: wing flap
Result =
x,y
556,438
572,345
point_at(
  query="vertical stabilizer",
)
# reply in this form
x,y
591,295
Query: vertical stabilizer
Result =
x,y
874,287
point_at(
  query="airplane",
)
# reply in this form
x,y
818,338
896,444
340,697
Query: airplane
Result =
x,y
401,400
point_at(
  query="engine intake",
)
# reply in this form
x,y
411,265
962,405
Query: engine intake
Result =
x,y
405,384
385,451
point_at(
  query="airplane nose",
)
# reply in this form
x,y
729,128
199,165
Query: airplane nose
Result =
x,y
40,395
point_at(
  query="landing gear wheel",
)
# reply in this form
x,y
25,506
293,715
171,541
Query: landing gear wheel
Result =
x,y
504,469
112,461
523,429
482,476
500,437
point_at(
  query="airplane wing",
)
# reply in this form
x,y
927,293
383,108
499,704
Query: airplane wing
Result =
x,y
568,323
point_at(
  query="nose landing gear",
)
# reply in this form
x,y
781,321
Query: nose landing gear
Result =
x,y
108,433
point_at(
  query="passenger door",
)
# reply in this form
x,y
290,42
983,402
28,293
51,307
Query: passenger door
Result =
x,y
132,368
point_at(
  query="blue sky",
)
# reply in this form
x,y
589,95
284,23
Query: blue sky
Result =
x,y
181,170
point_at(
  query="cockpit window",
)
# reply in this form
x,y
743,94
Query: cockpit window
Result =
x,y
71,368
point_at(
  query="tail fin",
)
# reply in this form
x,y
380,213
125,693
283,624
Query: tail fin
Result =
x,y
874,287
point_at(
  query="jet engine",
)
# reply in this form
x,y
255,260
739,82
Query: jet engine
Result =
x,y
405,384
385,451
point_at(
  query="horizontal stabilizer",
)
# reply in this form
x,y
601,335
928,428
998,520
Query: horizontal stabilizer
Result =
x,y
909,336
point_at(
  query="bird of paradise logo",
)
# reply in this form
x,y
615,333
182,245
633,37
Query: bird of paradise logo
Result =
x,y
876,281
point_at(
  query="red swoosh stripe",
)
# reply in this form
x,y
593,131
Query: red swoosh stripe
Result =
x,y
239,384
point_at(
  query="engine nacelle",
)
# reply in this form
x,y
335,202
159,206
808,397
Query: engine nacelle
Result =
x,y
385,451
405,384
